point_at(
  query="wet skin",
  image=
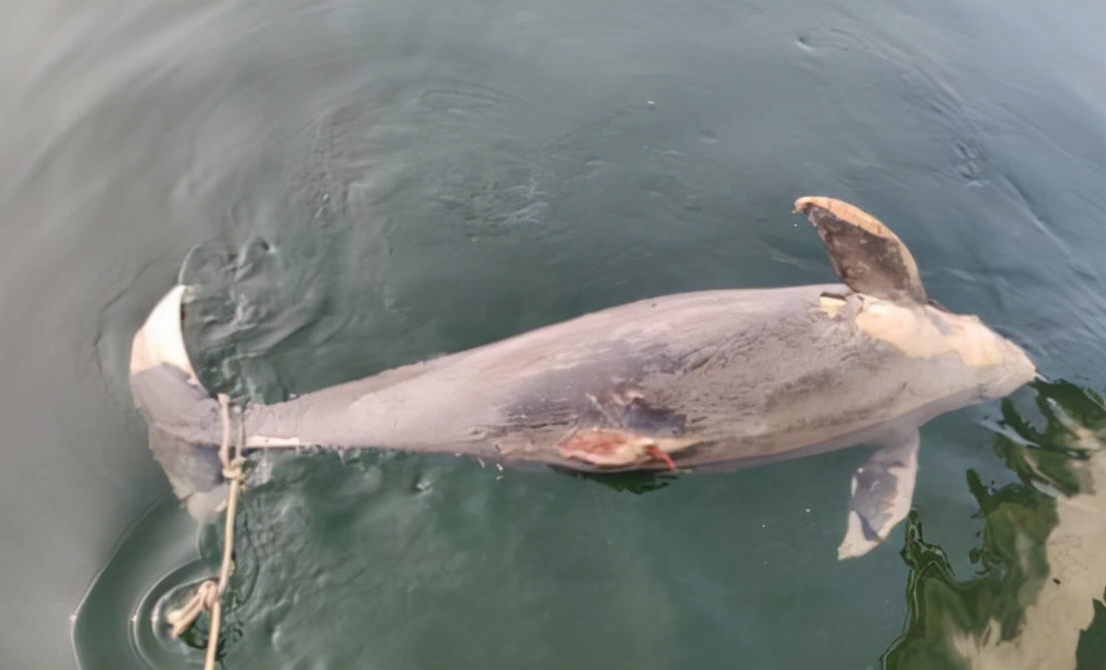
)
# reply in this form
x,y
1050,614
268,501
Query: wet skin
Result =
x,y
722,378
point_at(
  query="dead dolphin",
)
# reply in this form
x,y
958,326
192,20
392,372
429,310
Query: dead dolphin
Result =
x,y
738,377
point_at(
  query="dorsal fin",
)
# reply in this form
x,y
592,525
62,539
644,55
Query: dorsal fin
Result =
x,y
868,257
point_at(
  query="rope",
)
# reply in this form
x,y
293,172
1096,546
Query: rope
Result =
x,y
208,595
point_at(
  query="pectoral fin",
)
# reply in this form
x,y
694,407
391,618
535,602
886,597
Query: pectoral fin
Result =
x,y
867,256
882,489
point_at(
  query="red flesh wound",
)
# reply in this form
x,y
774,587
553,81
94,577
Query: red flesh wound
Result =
x,y
661,455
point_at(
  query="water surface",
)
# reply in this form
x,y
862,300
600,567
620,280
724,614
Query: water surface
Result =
x,y
359,186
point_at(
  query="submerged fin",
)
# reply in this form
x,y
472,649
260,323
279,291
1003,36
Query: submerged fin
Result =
x,y
182,416
867,256
882,489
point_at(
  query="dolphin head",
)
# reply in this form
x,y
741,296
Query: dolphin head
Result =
x,y
999,365
875,263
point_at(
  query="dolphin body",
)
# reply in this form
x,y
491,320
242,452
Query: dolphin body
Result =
x,y
727,377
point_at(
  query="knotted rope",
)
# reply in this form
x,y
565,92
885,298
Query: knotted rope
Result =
x,y
208,595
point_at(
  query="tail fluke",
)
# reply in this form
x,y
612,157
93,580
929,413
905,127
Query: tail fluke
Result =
x,y
182,415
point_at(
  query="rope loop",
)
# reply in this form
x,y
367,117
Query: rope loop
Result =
x,y
208,595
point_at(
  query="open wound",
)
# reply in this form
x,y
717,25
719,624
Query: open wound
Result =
x,y
611,448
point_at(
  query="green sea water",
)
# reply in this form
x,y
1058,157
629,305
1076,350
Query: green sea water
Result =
x,y
358,186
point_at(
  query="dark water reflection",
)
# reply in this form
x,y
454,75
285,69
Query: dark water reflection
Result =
x,y
1036,598
374,183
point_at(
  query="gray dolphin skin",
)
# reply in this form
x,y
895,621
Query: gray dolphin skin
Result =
x,y
715,378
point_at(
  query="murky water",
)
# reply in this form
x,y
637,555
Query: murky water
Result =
x,y
373,184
